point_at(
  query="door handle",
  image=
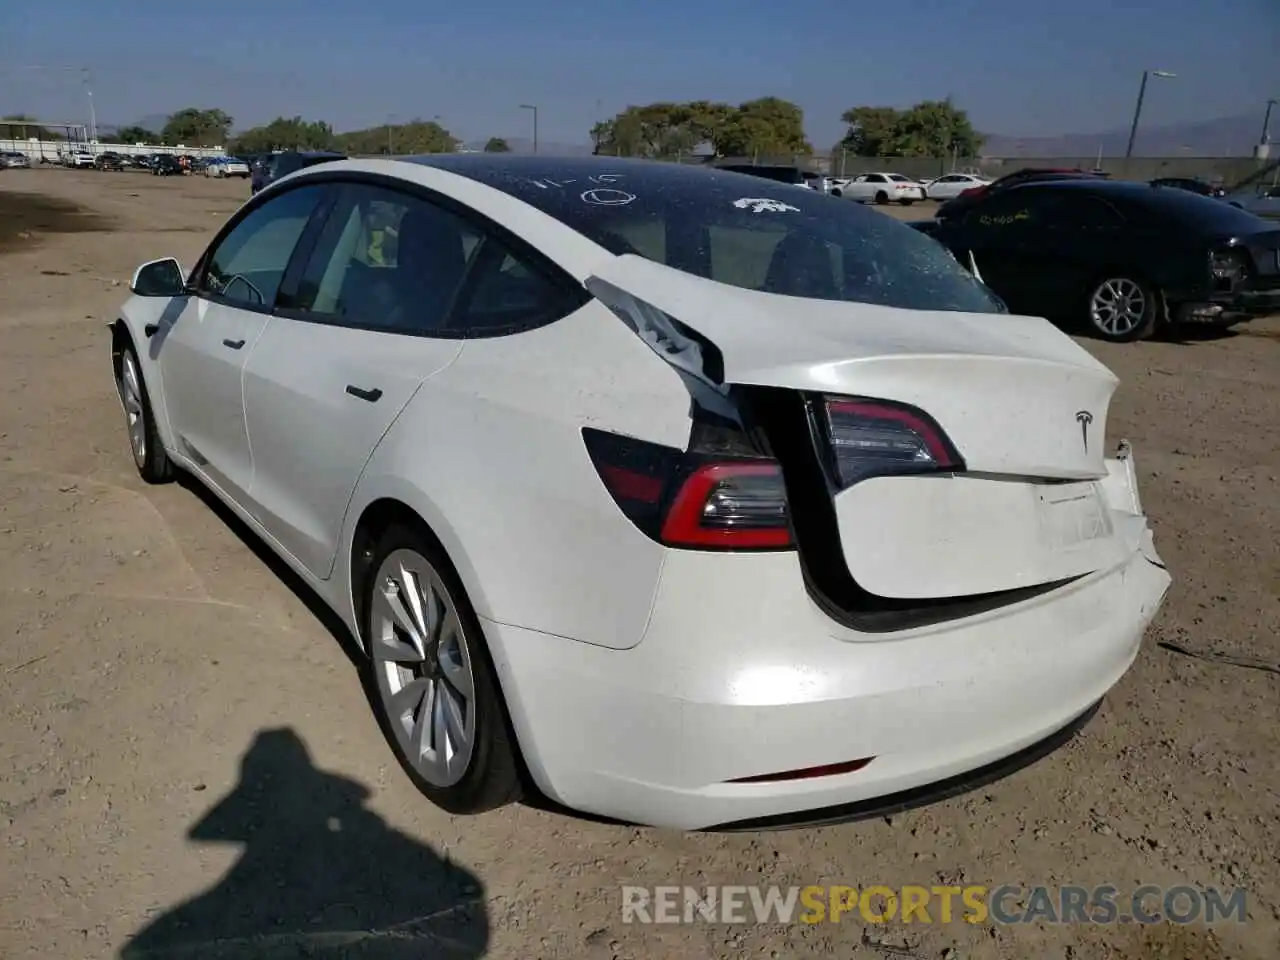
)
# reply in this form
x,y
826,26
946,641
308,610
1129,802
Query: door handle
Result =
x,y
371,395
149,330
233,344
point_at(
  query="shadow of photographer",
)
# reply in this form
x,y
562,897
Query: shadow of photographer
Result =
x,y
321,876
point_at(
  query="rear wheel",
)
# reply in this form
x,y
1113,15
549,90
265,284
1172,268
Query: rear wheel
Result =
x,y
905,202
1122,309
431,678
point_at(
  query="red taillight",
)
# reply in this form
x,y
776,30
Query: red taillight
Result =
x,y
874,438
691,499
730,505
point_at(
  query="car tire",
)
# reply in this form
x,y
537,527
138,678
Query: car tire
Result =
x,y
149,456
837,192
408,565
905,202
1122,308
882,197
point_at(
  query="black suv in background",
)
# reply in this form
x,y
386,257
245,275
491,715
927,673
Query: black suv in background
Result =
x,y
959,205
166,165
109,161
1191,184
779,173
1121,257
274,166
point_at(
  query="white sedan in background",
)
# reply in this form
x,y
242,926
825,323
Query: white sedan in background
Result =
x,y
226,167
880,188
678,495
952,185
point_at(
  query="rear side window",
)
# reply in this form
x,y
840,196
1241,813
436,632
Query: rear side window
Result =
x,y
387,261
507,293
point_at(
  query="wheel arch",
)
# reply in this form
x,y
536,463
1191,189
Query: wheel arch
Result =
x,y
404,507
384,502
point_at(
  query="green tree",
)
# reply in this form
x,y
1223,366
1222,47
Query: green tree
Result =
x,y
414,137
136,134
871,130
288,134
667,131
931,128
196,127
497,145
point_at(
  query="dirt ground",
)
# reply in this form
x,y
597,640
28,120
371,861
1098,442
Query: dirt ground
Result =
x,y
185,747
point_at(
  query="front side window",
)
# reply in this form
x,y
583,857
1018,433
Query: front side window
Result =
x,y
388,261
246,267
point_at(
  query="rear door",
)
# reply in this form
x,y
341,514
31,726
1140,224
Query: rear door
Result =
x,y
358,330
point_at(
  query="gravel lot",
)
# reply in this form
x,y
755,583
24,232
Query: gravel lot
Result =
x,y
185,747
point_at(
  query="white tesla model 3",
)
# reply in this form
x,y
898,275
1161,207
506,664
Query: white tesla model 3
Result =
x,y
684,497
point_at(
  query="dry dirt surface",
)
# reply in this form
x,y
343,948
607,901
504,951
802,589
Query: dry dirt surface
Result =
x,y
188,766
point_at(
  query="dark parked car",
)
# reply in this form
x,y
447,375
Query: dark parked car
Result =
x,y
779,173
1123,257
1190,184
277,165
957,205
109,161
166,165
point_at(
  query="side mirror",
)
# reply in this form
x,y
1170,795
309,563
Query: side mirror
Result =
x,y
158,278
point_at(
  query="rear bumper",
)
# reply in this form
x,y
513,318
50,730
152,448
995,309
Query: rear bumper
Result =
x,y
740,675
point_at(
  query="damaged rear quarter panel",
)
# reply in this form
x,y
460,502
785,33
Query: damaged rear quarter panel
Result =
x,y
547,547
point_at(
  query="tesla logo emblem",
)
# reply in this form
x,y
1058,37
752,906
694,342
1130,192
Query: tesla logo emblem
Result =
x,y
1084,418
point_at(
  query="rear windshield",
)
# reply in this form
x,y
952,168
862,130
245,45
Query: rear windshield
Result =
x,y
899,178
739,230
1204,213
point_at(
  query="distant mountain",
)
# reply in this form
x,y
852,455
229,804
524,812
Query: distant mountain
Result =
x,y
1224,137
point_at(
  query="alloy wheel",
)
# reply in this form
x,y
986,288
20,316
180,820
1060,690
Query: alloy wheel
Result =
x,y
135,414
422,667
1117,306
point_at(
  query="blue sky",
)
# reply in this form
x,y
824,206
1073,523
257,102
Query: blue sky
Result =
x,y
1020,67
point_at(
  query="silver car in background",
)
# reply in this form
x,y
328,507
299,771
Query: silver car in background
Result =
x,y
14,160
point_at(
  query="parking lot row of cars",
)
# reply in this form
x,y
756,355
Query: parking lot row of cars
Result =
x,y
161,164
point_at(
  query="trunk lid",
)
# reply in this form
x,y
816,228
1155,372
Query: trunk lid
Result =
x,y
1014,394
1024,406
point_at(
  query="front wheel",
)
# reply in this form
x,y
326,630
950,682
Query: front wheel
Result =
x,y
837,192
1122,309
882,197
149,455
431,678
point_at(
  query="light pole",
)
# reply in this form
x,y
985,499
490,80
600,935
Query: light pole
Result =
x,y
533,107
391,120
1266,122
93,118
1137,110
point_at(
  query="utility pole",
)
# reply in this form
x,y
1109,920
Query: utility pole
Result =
x,y
534,108
1137,110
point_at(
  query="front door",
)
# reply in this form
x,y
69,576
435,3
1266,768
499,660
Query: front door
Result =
x,y
202,354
